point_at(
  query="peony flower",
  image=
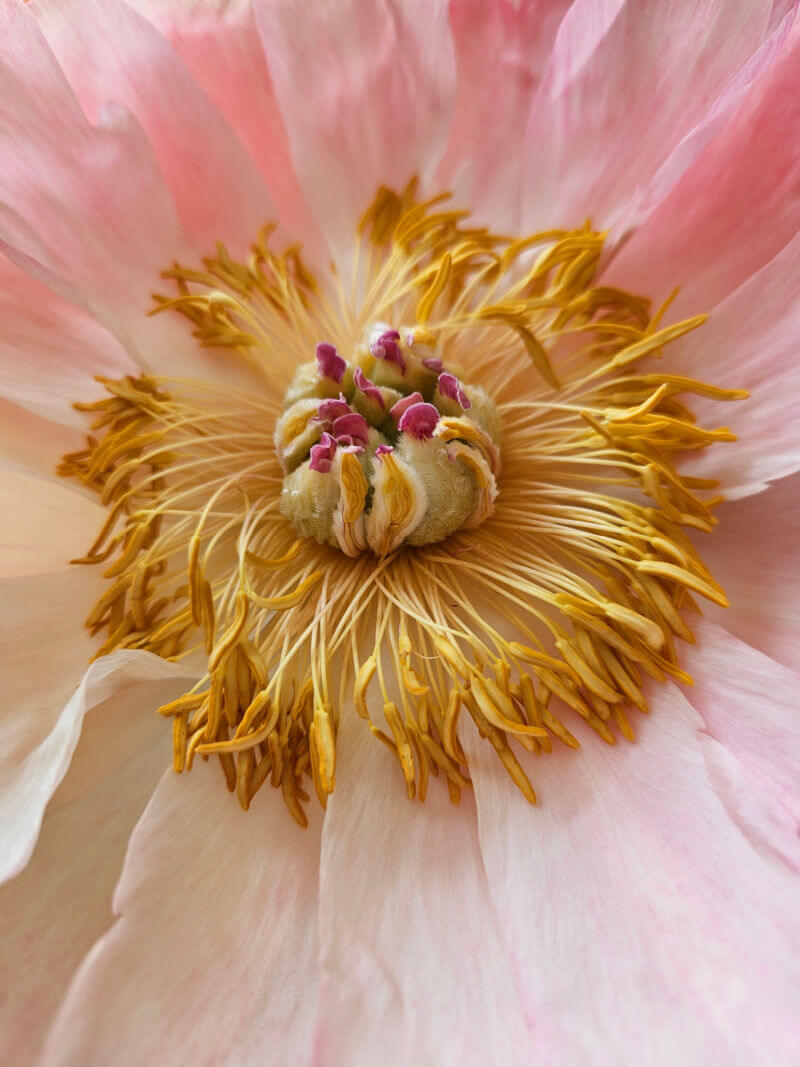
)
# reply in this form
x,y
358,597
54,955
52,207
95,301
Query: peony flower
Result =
x,y
403,342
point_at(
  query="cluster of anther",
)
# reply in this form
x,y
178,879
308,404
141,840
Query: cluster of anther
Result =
x,y
386,449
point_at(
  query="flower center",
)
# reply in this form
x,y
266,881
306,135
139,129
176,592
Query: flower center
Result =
x,y
407,455
332,540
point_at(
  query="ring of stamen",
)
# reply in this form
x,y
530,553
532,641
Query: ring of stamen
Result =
x,y
563,580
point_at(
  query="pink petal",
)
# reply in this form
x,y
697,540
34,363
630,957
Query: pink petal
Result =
x,y
412,968
219,43
45,650
749,704
34,443
212,956
735,208
626,83
753,554
44,524
644,926
50,350
681,158
750,342
365,92
110,54
85,208
501,51
76,195
52,913
40,722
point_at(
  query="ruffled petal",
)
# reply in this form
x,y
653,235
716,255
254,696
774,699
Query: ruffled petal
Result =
x,y
412,967
735,208
212,958
365,91
753,554
45,650
750,341
109,53
219,43
748,703
52,913
645,927
627,83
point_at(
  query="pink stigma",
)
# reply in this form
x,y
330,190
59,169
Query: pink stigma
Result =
x,y
333,409
322,454
433,363
353,426
419,421
330,363
386,347
367,387
450,386
403,403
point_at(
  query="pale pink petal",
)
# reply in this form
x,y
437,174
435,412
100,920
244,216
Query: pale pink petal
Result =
x,y
753,554
110,54
219,43
84,208
50,350
52,913
627,82
212,958
412,968
735,208
502,50
749,704
33,443
646,928
645,200
45,650
365,91
75,196
45,524
751,341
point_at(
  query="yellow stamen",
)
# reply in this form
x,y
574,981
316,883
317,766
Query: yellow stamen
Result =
x,y
568,580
